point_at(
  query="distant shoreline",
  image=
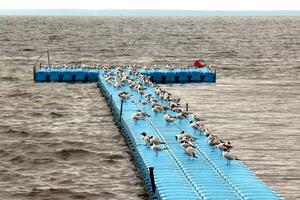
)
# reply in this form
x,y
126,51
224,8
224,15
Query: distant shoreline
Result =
x,y
78,12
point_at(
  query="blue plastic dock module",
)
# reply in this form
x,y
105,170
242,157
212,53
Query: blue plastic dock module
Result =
x,y
64,74
204,74
177,177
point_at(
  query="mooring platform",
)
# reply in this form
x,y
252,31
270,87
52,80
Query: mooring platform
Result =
x,y
67,74
175,175
170,174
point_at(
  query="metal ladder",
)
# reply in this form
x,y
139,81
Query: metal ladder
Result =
x,y
34,65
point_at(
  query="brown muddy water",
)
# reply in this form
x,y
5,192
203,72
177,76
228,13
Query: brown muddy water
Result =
x,y
59,141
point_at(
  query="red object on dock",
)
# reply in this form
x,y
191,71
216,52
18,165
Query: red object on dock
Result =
x,y
198,64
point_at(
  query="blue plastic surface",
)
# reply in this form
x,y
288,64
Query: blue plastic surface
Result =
x,y
158,76
80,75
177,177
68,76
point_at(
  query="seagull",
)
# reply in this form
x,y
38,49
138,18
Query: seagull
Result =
x,y
205,132
146,138
143,102
141,91
155,141
173,105
195,118
156,109
154,103
211,136
117,84
229,157
186,113
222,147
157,148
190,151
168,118
213,143
178,110
182,135
175,100
144,114
180,116
194,125
185,144
146,95
165,108
124,95
137,116
228,145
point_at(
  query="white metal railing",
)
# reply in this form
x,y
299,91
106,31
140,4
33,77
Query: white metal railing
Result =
x,y
37,60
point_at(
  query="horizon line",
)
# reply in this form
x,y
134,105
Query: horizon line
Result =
x,y
145,12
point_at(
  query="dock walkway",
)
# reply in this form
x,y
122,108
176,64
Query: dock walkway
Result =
x,y
171,174
176,176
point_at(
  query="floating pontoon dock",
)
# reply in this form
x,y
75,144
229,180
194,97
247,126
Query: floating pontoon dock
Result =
x,y
171,174
80,74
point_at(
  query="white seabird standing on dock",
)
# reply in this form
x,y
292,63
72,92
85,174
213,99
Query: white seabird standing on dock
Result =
x,y
157,149
190,151
229,157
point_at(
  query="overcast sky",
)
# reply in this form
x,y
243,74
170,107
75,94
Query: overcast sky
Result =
x,y
153,4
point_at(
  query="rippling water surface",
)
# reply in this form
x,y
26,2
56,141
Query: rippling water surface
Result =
x,y
59,141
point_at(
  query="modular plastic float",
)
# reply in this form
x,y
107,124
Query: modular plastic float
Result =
x,y
67,74
63,74
171,174
204,74
175,175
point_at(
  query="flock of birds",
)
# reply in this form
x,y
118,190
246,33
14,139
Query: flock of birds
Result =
x,y
100,67
162,101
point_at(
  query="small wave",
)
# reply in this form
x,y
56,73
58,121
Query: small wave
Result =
x,y
17,159
109,161
228,68
59,192
143,196
66,154
5,40
27,49
9,78
48,191
20,94
56,115
50,104
75,62
116,157
106,194
42,161
74,143
36,114
3,153
41,134
54,37
14,132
